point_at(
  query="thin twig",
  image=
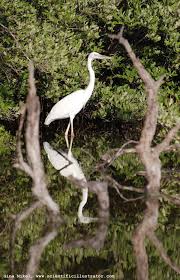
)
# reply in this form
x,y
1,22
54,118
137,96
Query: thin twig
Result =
x,y
174,199
20,163
122,151
108,159
122,187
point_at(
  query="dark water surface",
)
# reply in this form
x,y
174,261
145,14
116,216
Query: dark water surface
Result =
x,y
115,259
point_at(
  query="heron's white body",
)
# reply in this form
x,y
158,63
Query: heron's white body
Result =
x,y
69,166
69,106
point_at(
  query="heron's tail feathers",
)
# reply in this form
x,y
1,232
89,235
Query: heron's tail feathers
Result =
x,y
48,120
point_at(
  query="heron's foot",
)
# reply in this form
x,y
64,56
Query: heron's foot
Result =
x,y
87,220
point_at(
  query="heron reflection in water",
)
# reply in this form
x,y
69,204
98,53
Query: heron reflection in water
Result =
x,y
69,166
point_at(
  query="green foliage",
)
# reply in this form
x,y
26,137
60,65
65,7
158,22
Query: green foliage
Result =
x,y
58,35
8,107
6,140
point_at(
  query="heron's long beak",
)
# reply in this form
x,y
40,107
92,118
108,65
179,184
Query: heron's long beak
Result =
x,y
104,57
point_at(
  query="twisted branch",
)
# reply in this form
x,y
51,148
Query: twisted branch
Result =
x,y
33,166
150,158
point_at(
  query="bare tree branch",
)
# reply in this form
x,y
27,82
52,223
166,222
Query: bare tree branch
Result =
x,y
122,151
165,144
159,246
34,166
148,224
18,219
172,147
122,187
150,158
49,233
20,163
151,87
109,157
145,76
175,199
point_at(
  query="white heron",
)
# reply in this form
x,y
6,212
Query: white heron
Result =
x,y
69,166
72,104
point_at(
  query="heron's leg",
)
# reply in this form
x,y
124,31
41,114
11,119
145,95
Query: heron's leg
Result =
x,y
67,129
66,135
71,142
72,129
72,133
67,141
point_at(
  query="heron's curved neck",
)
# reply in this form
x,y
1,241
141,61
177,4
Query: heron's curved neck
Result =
x,y
83,201
90,86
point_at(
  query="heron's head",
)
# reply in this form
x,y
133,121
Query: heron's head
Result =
x,y
95,55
